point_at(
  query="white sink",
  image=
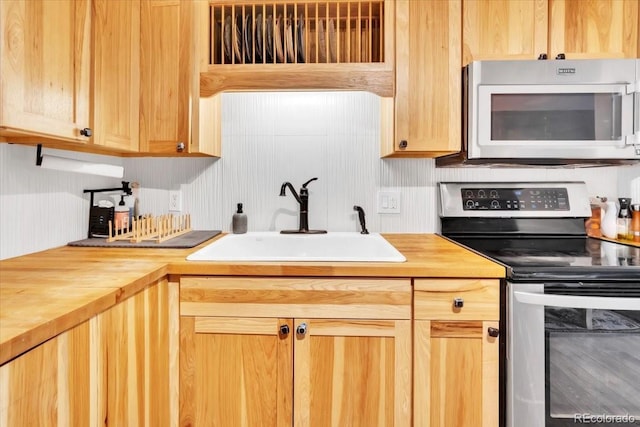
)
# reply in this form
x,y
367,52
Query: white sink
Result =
x,y
273,246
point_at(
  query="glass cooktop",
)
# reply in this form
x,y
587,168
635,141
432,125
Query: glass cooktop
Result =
x,y
559,258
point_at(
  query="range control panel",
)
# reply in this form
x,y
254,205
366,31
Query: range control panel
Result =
x,y
515,199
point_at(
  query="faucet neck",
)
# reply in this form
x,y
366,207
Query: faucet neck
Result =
x,y
283,191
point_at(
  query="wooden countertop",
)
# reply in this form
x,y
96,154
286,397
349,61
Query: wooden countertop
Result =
x,y
46,293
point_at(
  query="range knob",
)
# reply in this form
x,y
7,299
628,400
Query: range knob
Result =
x,y
481,194
469,204
468,194
495,204
493,194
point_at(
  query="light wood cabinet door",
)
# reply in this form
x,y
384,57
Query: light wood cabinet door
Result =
x,y
44,69
352,373
424,118
170,78
116,74
54,384
455,374
456,352
251,371
594,29
524,29
504,29
235,371
139,354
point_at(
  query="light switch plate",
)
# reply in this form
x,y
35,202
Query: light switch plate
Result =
x,y
388,202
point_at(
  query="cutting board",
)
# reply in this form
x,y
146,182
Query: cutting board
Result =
x,y
187,240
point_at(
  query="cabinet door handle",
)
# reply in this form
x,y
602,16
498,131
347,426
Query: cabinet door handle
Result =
x,y
458,302
86,132
301,329
403,144
180,147
493,332
284,329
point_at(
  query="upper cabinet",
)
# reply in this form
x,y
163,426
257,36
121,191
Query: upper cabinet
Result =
x,y
111,77
594,29
424,117
435,39
172,35
504,29
116,74
306,45
524,29
44,69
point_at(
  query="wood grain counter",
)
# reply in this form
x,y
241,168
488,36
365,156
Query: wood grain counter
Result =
x,y
46,293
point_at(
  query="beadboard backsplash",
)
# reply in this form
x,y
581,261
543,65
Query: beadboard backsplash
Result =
x,y
268,138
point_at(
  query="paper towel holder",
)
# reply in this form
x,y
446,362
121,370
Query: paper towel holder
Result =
x,y
79,166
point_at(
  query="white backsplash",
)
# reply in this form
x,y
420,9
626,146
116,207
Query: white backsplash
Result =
x,y
268,138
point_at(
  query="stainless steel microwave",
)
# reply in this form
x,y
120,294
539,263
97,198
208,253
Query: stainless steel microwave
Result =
x,y
550,112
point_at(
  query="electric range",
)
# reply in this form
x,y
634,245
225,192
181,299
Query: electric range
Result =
x,y
570,304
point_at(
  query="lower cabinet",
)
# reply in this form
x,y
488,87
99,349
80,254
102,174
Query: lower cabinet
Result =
x,y
456,352
53,384
116,369
283,352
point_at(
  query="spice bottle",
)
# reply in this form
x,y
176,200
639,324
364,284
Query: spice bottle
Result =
x,y
121,216
624,219
635,222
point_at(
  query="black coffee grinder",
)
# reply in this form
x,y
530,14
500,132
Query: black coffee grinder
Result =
x,y
99,217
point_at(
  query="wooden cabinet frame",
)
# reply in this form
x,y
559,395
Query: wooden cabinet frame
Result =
x,y
359,326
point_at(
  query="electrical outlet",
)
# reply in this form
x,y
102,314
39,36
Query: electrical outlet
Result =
x,y
388,202
175,201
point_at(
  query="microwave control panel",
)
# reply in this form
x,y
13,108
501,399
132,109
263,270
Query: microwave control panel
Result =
x,y
515,199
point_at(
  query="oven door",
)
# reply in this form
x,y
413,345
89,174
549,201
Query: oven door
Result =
x,y
573,354
570,121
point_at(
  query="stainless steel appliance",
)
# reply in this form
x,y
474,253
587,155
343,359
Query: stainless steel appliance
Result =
x,y
570,320
550,112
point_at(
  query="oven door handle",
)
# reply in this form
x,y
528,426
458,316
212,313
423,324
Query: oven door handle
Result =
x,y
572,301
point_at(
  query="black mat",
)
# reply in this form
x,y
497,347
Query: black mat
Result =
x,y
187,240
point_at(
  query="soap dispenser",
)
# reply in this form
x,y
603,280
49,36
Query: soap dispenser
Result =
x,y
239,221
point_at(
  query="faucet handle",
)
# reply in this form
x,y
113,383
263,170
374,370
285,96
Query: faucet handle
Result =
x,y
305,184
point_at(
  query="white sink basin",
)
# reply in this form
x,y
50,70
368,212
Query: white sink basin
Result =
x,y
273,246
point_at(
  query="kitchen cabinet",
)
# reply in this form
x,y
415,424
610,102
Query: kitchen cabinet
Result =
x,y
299,45
55,383
295,351
596,29
139,339
423,120
170,105
524,29
117,368
456,352
45,70
116,74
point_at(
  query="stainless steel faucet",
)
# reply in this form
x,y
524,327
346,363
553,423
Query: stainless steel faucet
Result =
x,y
303,200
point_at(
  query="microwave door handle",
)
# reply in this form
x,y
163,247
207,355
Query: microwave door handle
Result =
x,y
633,89
572,301
635,141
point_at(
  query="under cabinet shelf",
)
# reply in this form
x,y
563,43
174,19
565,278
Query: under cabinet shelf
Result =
x,y
296,32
